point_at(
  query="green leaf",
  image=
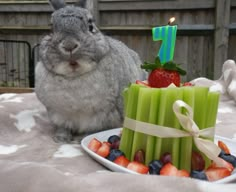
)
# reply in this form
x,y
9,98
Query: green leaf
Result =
x,y
181,71
170,65
158,61
149,66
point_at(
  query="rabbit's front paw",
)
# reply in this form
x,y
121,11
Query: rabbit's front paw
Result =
x,y
62,135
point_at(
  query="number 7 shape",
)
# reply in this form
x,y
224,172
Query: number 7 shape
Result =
x,y
167,34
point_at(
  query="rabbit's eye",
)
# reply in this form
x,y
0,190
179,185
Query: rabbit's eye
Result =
x,y
91,28
90,24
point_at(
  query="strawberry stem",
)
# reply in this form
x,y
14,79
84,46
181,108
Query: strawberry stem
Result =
x,y
170,65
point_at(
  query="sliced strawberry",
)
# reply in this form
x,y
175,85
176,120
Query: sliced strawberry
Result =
x,y
138,167
224,163
94,145
187,84
107,143
183,173
169,170
122,161
142,83
214,174
104,150
212,165
224,147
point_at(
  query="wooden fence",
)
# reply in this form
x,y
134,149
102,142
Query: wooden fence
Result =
x,y
206,34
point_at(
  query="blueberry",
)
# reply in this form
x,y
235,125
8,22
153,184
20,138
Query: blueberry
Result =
x,y
198,175
114,140
228,157
222,152
155,167
114,153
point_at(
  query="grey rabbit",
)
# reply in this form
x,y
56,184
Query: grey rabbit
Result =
x,y
81,73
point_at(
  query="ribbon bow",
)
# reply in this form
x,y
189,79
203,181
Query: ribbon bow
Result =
x,y
209,148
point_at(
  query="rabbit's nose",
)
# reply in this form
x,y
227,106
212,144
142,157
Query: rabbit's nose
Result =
x,y
69,47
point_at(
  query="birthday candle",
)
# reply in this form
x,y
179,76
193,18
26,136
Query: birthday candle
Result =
x,y
168,36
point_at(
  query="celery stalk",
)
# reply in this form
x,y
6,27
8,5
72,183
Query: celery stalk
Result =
x,y
154,106
176,141
200,112
130,111
143,110
160,121
200,105
212,107
186,142
166,117
125,98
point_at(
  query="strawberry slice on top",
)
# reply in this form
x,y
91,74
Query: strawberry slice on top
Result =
x,y
162,75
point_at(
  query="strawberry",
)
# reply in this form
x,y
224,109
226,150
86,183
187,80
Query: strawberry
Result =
x,y
224,147
94,145
162,75
142,83
107,143
187,84
138,167
122,161
163,78
183,173
217,173
170,170
104,150
225,164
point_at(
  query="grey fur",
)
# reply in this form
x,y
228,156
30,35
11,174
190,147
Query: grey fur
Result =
x,y
82,73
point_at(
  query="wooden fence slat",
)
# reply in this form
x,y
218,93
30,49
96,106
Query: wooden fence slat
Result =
x,y
15,90
155,5
27,7
182,29
111,6
200,29
221,35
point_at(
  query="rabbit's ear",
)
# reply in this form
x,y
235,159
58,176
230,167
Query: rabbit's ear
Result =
x,y
57,4
81,3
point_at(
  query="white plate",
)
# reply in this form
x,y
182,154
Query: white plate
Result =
x,y
103,136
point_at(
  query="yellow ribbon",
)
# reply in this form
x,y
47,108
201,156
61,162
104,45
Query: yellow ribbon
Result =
x,y
209,148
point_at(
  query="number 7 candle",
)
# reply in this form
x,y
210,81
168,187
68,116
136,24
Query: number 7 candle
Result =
x,y
168,36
